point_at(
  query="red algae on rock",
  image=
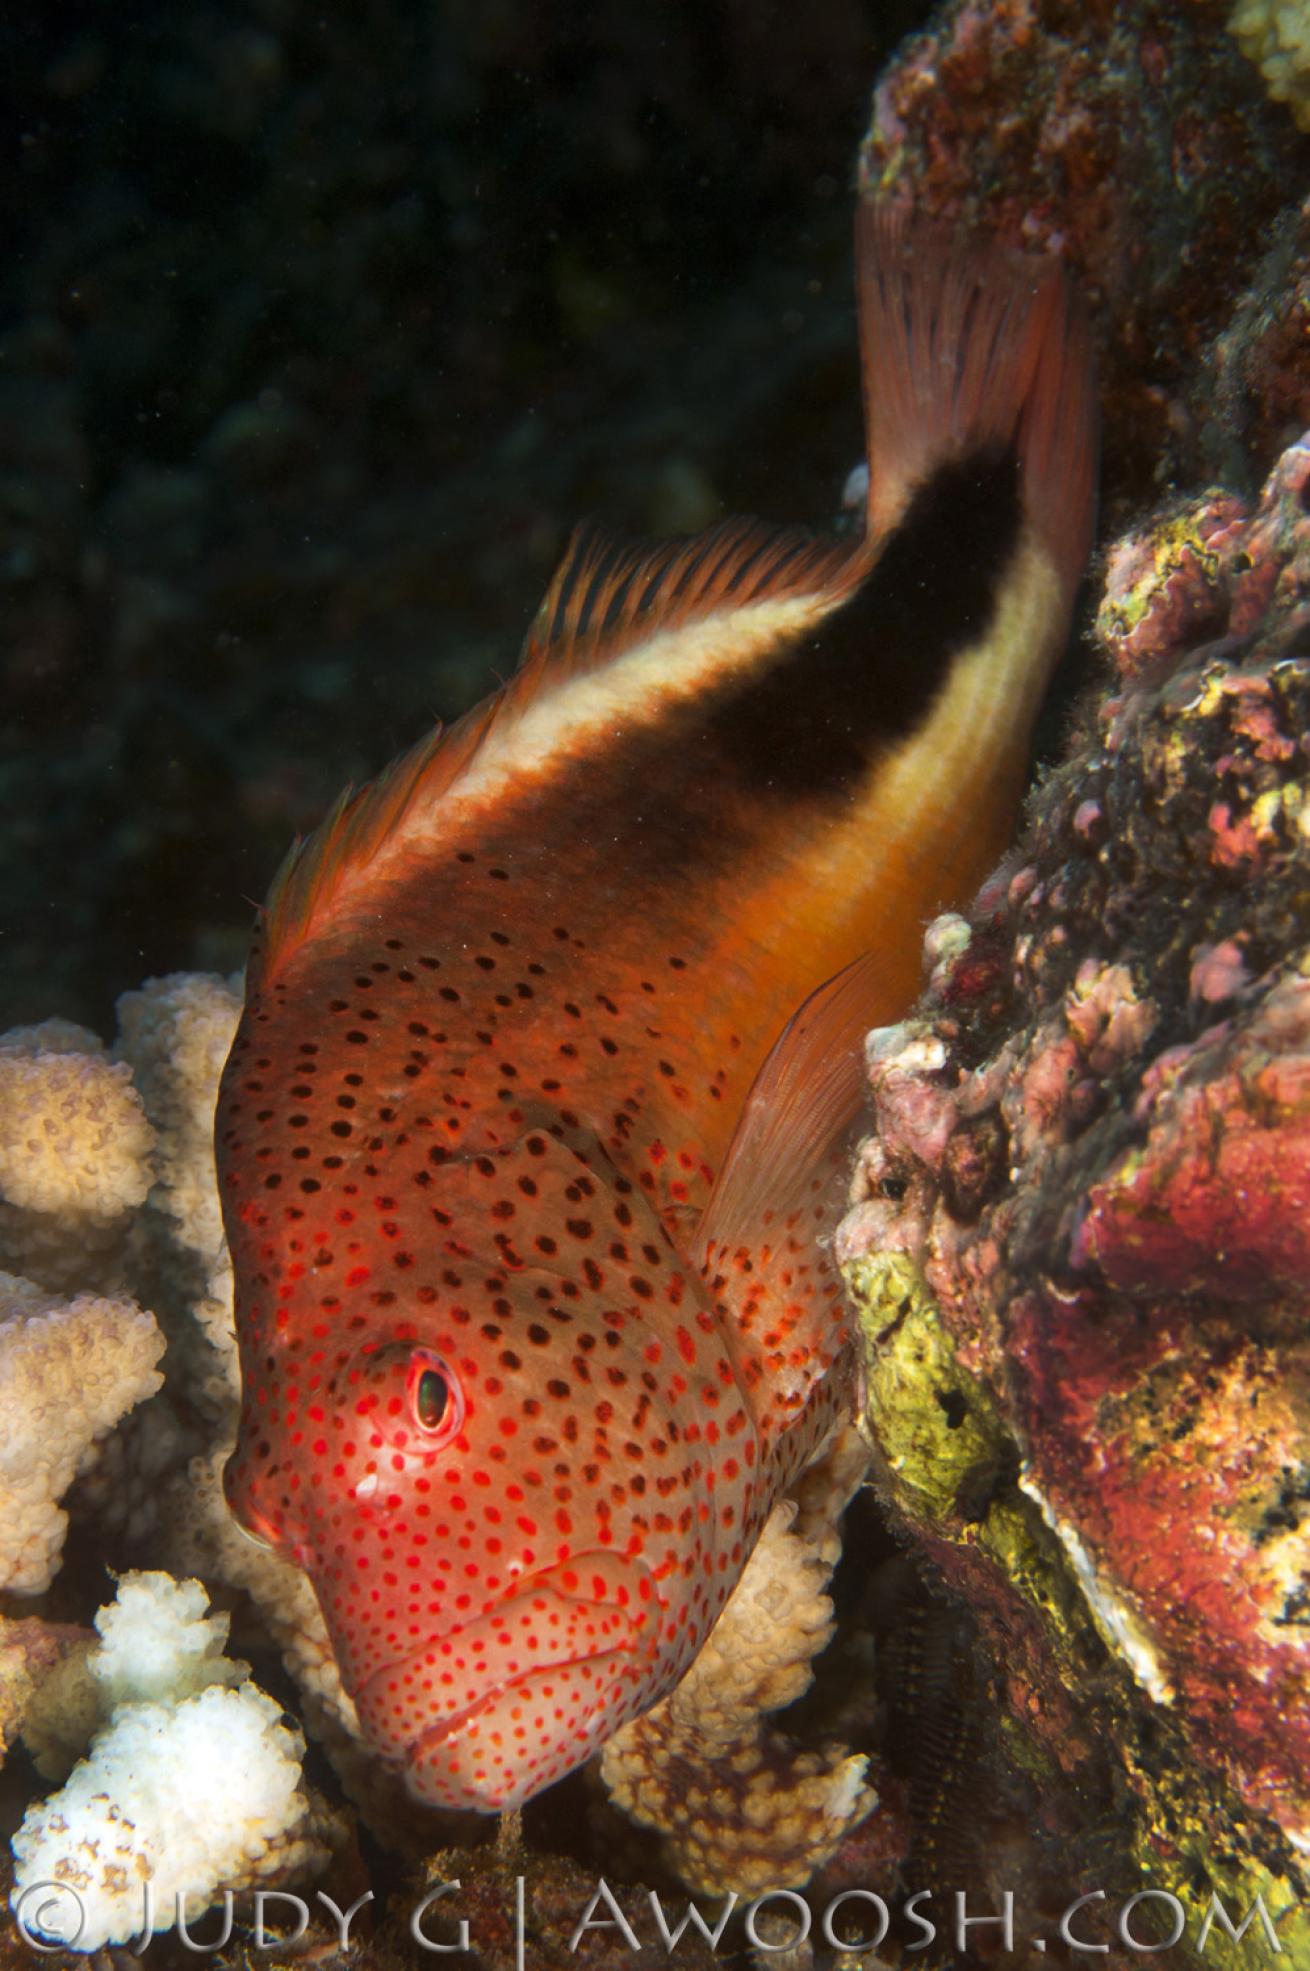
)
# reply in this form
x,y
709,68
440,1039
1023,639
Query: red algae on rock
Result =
x,y
1136,141
1083,1216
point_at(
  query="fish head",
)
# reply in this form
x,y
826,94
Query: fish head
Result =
x,y
513,1530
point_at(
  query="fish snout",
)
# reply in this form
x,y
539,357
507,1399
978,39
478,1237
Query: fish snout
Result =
x,y
486,1714
256,1496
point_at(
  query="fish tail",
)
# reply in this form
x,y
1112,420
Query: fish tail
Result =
x,y
974,350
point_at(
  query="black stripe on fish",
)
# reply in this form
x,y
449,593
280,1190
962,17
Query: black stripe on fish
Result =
x,y
807,726
813,722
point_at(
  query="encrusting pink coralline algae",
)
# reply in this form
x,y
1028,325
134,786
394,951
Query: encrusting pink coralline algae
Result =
x,y
1086,1204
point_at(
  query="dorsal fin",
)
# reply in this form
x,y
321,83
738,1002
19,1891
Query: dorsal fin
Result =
x,y
607,594
355,827
606,597
961,349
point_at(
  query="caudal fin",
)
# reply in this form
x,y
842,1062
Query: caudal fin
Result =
x,y
968,350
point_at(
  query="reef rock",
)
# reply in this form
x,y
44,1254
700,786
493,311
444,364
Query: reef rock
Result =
x,y
1136,142
1078,1234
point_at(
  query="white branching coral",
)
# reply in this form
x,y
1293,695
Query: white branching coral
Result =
x,y
157,1639
75,1155
107,1175
175,1033
192,1785
69,1369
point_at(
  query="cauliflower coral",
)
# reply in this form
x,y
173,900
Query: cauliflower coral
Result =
x,y
107,1205
192,1784
69,1369
75,1154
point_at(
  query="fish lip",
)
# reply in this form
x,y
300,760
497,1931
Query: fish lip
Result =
x,y
447,1728
526,1586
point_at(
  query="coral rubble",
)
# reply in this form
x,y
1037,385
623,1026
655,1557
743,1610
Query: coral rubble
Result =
x,y
1077,1234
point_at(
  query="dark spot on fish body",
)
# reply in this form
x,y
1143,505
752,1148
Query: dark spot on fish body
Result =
x,y
808,726
811,725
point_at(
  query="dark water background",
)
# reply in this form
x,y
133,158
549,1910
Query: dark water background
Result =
x,y
319,328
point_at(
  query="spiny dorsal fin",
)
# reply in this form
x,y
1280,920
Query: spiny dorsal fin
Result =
x,y
358,823
607,594
959,349
606,597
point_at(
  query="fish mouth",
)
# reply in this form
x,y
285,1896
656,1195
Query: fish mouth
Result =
x,y
566,1619
520,1738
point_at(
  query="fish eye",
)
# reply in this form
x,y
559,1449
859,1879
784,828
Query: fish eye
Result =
x,y
436,1402
431,1395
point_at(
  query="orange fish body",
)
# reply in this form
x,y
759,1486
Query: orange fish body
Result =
x,y
522,1206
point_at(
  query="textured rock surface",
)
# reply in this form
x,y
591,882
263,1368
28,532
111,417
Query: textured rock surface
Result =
x,y
1079,1231
1136,141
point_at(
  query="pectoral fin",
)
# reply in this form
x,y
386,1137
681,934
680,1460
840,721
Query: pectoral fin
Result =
x,y
761,1244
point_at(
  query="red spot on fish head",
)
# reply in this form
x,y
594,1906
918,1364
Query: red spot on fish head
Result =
x,y
505,1516
455,1421
348,1436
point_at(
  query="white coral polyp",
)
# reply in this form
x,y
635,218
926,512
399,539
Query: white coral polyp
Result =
x,y
69,1369
188,1799
158,1640
74,1139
